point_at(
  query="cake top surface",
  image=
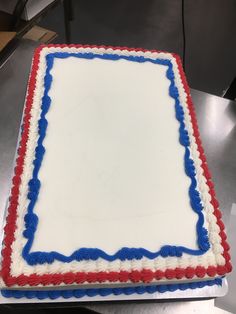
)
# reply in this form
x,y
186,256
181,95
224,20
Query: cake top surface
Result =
x,y
113,176
111,160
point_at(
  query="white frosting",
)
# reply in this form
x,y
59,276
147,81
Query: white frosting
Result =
x,y
106,159
212,257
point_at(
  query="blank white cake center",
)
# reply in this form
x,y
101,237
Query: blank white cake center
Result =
x,y
113,139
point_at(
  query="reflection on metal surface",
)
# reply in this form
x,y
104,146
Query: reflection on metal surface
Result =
x,y
200,307
218,124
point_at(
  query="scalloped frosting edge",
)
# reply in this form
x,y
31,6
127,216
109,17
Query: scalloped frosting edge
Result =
x,y
103,292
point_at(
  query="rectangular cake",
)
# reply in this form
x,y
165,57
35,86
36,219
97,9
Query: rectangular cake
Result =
x,y
111,191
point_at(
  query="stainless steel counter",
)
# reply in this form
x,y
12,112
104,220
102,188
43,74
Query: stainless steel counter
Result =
x,y
216,117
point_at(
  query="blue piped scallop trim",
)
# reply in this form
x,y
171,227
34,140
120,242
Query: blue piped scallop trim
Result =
x,y
31,218
103,292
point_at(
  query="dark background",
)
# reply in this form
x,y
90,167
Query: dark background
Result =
x,y
210,27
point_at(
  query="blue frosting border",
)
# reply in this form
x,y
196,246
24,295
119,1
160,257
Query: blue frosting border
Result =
x,y
80,293
31,219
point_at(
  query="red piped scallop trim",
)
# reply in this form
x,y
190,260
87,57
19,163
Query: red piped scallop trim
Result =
x,y
145,275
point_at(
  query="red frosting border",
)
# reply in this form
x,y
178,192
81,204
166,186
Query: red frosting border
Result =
x,y
135,276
